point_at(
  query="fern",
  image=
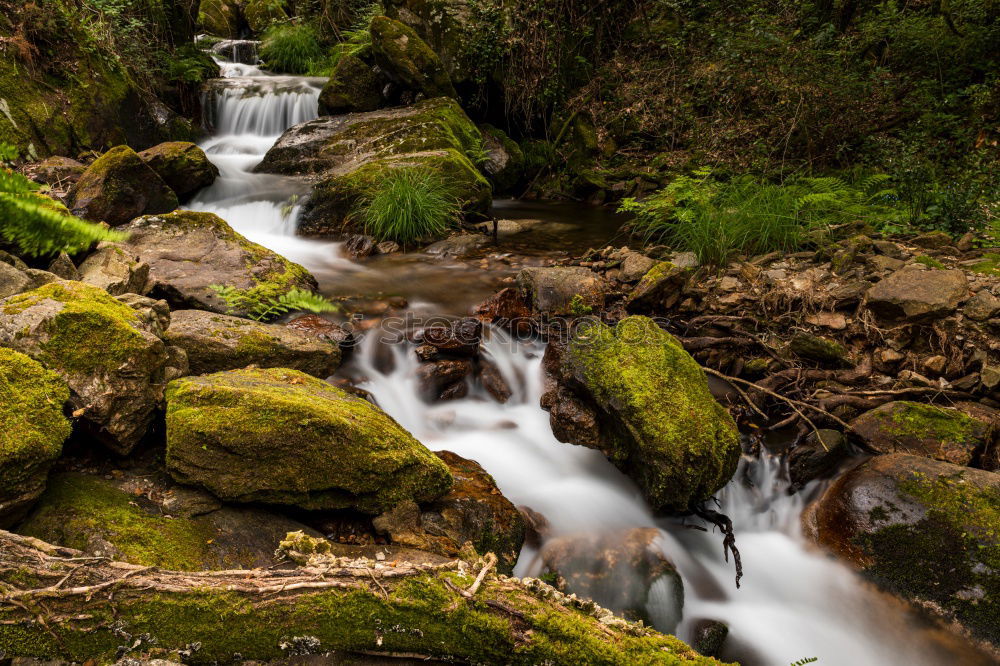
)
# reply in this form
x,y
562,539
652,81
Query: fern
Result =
x,y
806,660
266,307
38,225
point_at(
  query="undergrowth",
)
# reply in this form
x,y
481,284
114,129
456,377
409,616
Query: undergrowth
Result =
x,y
36,224
407,205
291,48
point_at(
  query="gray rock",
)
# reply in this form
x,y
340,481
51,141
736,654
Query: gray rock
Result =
x,y
63,266
912,294
215,342
634,266
116,271
13,281
982,305
458,247
569,290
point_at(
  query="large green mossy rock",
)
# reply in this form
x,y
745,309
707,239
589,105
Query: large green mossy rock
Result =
x,y
352,152
919,429
446,26
282,437
189,253
924,529
407,59
662,427
220,18
111,357
32,430
120,520
505,160
119,186
260,14
353,86
182,165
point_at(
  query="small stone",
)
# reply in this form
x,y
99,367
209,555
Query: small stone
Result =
x,y
685,260
729,284
832,320
890,356
63,266
817,348
982,305
888,248
935,364
881,263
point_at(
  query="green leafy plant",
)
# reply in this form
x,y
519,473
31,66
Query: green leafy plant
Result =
x,y
291,48
356,40
407,205
716,219
38,225
806,660
266,307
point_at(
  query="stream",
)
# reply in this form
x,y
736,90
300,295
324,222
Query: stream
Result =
x,y
795,601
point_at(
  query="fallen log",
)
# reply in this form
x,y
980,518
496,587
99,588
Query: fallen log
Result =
x,y
58,603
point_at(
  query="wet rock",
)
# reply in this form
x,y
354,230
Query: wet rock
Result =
x,y
215,342
360,246
317,327
570,290
661,283
127,519
444,379
819,349
492,380
110,356
182,165
407,59
473,511
710,637
615,569
63,267
982,306
57,171
504,159
913,294
388,247
922,529
460,338
119,186
819,456
458,247
659,423
13,280
279,436
189,252
353,86
34,428
508,310
918,429
537,527
115,271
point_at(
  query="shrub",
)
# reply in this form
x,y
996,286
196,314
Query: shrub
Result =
x,y
717,220
36,224
408,205
291,48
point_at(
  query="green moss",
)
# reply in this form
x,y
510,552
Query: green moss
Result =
x,y
92,331
672,437
930,262
220,18
285,437
400,52
78,511
353,86
260,14
951,556
420,615
921,421
818,348
34,427
990,264
118,186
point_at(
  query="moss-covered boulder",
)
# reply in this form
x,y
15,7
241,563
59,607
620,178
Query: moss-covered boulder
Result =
x,y
215,342
32,432
260,14
562,290
182,165
504,159
407,60
926,530
919,429
353,86
189,252
119,186
353,152
130,519
445,25
110,356
819,349
658,422
473,511
282,437
220,18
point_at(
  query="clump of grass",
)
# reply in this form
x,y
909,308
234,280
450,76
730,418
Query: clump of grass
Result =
x,y
291,48
408,205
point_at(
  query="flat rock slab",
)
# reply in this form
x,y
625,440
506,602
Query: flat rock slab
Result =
x,y
914,294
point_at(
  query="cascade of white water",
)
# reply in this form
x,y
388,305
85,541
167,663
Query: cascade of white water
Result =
x,y
794,601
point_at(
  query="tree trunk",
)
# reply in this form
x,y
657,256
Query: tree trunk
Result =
x,y
59,603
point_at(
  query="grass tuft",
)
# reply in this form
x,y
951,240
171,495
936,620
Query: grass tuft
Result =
x,y
291,48
408,205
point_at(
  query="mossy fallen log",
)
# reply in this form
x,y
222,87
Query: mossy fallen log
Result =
x,y
59,603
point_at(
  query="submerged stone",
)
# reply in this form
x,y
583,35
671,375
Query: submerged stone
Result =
x,y
282,437
32,432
